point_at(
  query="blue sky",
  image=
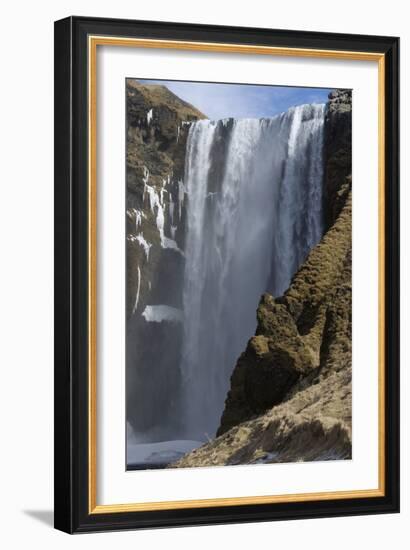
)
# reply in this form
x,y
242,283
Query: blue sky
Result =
x,y
242,100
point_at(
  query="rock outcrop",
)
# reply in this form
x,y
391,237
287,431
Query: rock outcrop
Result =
x,y
338,153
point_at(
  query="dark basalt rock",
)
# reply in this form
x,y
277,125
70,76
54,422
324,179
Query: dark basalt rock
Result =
x,y
338,153
269,375
156,400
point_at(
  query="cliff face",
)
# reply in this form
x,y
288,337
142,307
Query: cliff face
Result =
x,y
290,395
157,130
338,153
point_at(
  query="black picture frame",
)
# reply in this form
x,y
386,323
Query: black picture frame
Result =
x,y
71,492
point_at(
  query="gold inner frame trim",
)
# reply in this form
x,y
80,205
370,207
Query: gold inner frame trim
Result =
x,y
93,42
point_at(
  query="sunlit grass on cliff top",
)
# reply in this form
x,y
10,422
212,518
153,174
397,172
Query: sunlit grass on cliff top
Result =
x,y
242,100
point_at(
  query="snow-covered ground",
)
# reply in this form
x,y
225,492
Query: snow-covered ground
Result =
x,y
157,455
157,314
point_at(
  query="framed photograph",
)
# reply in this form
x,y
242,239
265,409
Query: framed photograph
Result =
x,y
226,274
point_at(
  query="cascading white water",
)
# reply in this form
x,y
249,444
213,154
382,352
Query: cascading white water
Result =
x,y
250,224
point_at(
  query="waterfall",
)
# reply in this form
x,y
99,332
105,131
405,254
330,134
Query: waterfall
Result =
x,y
254,211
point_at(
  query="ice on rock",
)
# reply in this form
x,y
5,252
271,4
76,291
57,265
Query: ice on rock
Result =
x,y
138,219
145,177
145,245
160,221
137,215
156,203
152,195
138,291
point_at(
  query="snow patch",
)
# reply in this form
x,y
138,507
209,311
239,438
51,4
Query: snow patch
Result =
x,y
161,453
158,314
162,195
171,243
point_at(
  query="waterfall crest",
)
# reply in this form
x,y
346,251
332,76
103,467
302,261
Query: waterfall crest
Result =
x,y
254,211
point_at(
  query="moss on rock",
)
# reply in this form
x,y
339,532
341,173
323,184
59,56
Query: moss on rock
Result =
x,y
294,330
